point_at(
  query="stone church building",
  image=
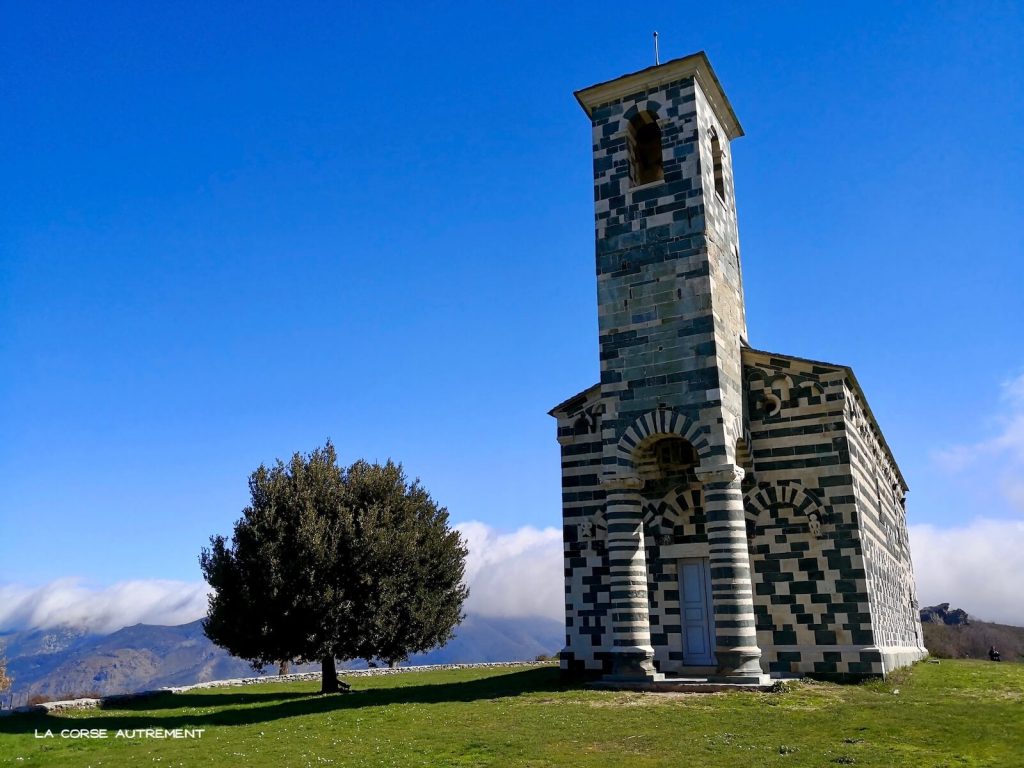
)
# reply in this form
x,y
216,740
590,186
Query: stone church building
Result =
x,y
729,513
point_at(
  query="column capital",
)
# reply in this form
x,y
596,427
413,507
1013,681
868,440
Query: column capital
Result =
x,y
720,473
621,483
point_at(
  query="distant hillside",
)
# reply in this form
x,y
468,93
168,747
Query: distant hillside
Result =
x,y
65,660
952,634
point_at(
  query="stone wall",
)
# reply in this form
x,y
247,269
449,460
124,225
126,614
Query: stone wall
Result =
x,y
584,532
811,590
880,493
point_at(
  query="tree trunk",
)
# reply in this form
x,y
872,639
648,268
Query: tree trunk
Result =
x,y
394,663
284,667
329,682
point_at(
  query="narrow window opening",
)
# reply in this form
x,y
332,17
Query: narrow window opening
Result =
x,y
645,156
716,160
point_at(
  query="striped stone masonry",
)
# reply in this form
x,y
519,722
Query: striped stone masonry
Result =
x,y
727,512
627,575
736,647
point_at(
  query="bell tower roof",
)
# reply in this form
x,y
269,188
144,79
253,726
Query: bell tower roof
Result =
x,y
695,65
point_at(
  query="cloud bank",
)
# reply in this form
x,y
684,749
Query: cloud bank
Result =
x,y
509,574
101,609
514,574
977,567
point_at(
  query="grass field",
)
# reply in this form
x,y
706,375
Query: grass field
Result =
x,y
954,713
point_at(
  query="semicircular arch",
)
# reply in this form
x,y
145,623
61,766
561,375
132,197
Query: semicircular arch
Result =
x,y
784,492
650,107
662,516
654,425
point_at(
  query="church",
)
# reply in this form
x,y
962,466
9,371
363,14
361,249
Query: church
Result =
x,y
730,514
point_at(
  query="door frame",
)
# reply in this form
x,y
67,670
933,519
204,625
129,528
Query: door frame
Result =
x,y
709,624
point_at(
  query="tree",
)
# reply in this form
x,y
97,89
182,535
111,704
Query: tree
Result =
x,y
414,563
5,680
328,564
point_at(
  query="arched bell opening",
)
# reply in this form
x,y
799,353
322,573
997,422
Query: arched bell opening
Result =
x,y
643,136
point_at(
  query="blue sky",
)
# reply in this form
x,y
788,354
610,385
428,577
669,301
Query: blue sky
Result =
x,y
229,233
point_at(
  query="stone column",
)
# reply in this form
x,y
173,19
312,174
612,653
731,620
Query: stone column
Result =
x,y
732,594
631,631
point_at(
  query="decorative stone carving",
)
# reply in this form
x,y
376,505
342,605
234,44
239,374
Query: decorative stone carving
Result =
x,y
587,530
621,482
721,473
588,419
814,523
593,531
781,386
771,404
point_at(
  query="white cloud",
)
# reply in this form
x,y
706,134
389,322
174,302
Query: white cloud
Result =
x,y
101,609
509,574
977,567
514,574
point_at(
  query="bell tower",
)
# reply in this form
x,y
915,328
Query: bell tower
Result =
x,y
671,323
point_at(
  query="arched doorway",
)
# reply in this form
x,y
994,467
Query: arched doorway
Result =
x,y
681,607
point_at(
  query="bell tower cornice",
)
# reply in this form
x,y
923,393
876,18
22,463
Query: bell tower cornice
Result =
x,y
695,65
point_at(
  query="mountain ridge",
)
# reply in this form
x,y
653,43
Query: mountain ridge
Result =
x,y
65,660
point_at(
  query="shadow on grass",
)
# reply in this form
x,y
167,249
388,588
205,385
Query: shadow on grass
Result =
x,y
214,699
250,707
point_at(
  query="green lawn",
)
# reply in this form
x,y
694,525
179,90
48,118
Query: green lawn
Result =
x,y
955,713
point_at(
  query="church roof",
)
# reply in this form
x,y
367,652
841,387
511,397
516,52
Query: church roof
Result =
x,y
851,379
695,65
578,399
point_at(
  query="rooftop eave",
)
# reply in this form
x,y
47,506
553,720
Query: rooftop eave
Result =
x,y
696,65
582,397
851,378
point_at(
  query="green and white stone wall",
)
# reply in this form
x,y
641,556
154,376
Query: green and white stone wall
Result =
x,y
880,493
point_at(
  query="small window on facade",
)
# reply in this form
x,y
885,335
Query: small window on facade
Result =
x,y
716,160
644,137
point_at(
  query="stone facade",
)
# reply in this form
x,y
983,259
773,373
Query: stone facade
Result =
x,y
727,512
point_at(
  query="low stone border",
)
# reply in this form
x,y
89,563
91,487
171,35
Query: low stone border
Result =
x,y
50,707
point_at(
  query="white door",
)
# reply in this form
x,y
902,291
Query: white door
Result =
x,y
695,611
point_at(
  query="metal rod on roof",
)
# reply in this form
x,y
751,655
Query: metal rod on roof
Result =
x,y
657,58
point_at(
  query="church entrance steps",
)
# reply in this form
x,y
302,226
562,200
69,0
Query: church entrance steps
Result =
x,y
685,685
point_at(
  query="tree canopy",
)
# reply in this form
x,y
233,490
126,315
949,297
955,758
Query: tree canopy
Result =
x,y
329,563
